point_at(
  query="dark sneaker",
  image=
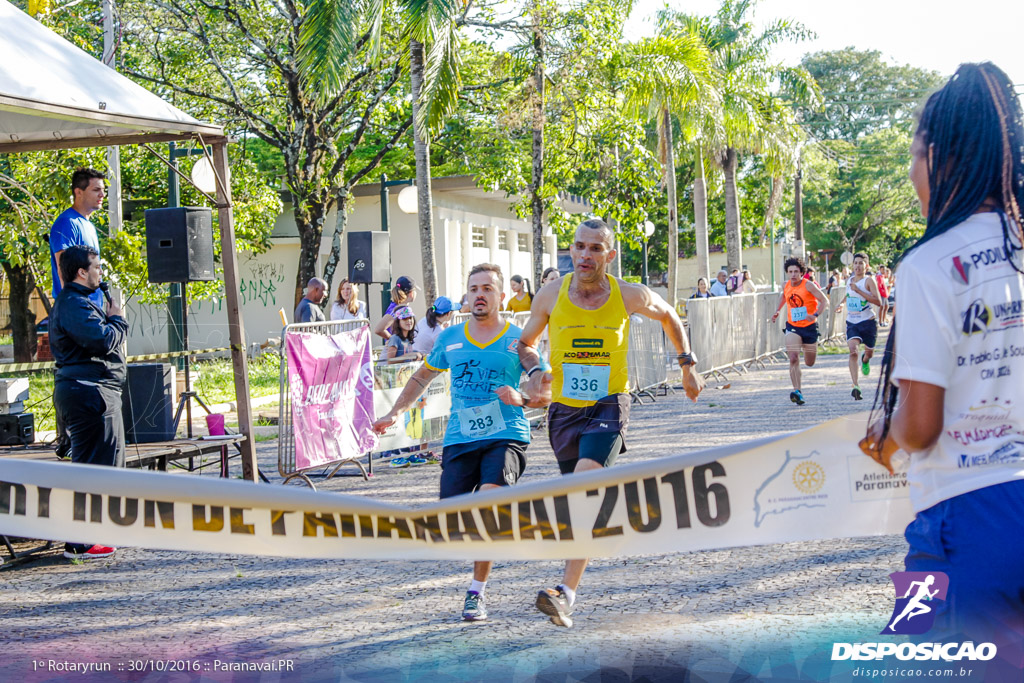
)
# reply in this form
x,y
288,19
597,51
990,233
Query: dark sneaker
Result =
x,y
417,460
474,609
865,366
856,394
63,449
555,604
797,398
88,553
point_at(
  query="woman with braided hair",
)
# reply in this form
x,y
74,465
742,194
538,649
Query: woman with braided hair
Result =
x,y
952,388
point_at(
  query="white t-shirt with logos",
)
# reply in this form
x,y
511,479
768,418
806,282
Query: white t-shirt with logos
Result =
x,y
960,326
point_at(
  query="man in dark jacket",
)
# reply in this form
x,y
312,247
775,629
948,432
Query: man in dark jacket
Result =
x,y
86,343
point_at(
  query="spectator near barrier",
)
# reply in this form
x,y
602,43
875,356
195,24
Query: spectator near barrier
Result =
x,y
348,306
720,286
702,291
403,293
308,310
399,348
522,294
430,326
734,281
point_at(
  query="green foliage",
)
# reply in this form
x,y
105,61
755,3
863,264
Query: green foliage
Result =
x,y
864,94
858,196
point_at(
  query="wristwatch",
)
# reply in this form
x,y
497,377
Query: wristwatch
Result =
x,y
686,359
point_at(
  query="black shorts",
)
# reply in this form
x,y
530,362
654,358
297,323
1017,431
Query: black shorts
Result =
x,y
568,426
865,330
467,466
808,335
601,447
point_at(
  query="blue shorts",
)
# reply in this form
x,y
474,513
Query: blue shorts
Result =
x,y
975,538
467,466
865,330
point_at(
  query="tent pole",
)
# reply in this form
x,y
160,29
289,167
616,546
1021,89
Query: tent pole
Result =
x,y
236,328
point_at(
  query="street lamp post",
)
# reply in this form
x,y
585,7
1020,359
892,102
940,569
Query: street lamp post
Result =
x,y
404,205
648,231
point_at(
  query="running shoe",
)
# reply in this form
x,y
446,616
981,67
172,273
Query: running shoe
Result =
x,y
399,462
856,394
417,460
474,609
865,366
796,397
88,553
554,603
433,458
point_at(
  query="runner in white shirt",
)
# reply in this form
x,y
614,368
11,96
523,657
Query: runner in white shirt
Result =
x,y
956,357
861,325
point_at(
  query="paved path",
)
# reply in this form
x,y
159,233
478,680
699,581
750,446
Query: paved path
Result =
x,y
339,620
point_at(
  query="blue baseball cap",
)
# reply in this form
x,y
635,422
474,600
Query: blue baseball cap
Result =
x,y
443,305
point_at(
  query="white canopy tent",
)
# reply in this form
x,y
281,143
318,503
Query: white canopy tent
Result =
x,y
55,96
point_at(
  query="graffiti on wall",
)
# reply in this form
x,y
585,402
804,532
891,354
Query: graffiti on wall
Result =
x,y
262,283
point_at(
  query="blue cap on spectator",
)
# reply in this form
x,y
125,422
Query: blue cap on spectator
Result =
x,y
402,312
443,305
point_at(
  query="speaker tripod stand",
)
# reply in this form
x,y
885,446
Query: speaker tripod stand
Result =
x,y
187,396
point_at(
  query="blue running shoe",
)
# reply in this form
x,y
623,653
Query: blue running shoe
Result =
x,y
399,462
473,609
796,397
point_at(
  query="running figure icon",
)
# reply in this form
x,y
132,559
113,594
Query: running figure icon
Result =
x,y
916,607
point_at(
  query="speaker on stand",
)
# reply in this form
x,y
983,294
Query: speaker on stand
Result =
x,y
179,249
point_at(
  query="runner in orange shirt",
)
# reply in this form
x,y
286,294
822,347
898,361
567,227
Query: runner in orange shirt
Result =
x,y
804,299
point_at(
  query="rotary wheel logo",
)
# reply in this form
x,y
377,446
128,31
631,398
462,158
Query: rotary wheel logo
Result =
x,y
809,477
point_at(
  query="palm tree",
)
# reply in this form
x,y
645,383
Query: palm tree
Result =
x,y
664,77
753,117
331,30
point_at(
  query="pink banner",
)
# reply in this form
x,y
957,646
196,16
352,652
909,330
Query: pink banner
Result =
x,y
331,382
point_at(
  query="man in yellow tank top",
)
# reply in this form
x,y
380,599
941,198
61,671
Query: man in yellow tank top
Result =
x,y
805,301
587,316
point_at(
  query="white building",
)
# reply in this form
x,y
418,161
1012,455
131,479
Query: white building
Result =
x,y
471,226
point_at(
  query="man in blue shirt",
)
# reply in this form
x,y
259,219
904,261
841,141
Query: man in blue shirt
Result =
x,y
73,227
487,434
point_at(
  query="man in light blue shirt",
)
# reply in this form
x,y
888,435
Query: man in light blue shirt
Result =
x,y
720,286
487,434
73,227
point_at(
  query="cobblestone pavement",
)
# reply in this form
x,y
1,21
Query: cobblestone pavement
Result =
x,y
339,620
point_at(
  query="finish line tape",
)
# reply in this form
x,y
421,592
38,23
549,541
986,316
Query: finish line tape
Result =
x,y
808,485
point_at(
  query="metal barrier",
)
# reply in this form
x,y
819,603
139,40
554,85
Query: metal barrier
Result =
x,y
286,441
732,332
647,358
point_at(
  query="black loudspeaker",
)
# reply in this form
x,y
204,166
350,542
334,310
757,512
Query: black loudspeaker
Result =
x,y
369,257
146,403
17,430
179,244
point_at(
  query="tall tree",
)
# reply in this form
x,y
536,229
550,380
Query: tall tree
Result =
x,y
665,76
329,40
243,67
753,118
